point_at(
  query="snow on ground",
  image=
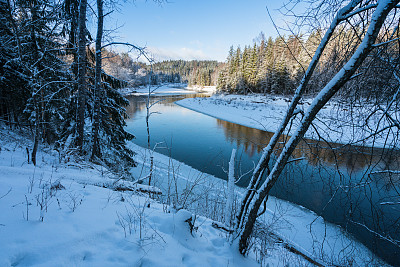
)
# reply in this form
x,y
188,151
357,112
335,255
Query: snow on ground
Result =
x,y
335,122
65,214
206,89
168,89
164,89
310,234
85,224
298,226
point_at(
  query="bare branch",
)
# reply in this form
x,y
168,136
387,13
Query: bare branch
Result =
x,y
6,193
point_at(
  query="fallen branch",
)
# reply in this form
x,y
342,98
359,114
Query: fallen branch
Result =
x,y
138,188
220,226
294,250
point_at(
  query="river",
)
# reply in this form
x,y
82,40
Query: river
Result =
x,y
334,183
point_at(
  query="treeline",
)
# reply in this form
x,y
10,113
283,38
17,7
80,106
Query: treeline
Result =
x,y
194,72
276,66
52,82
122,66
269,66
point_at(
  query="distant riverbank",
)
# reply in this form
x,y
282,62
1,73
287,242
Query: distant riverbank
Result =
x,y
168,89
335,123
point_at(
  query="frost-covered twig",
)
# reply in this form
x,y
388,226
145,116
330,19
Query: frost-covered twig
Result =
x,y
393,241
385,171
390,203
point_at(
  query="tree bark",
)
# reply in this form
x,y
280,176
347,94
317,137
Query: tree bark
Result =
x,y
35,80
377,20
98,95
262,166
230,189
81,77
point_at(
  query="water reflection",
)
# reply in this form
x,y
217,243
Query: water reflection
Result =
x,y
138,103
351,158
333,180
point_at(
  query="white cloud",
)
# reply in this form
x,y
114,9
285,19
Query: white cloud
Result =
x,y
185,53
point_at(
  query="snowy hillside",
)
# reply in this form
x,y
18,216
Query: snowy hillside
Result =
x,y
69,215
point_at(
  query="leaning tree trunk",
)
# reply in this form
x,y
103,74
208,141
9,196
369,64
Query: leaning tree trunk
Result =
x,y
377,20
81,77
262,166
98,95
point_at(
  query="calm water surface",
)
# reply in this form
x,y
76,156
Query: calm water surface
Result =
x,y
320,182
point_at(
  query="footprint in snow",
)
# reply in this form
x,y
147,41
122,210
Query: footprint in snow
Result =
x,y
218,242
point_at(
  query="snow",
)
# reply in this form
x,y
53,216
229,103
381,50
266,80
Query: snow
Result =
x,y
336,123
297,225
311,235
207,89
231,188
87,223
168,89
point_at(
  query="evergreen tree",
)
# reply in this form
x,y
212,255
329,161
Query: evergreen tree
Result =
x,y
270,67
193,72
14,77
41,51
252,68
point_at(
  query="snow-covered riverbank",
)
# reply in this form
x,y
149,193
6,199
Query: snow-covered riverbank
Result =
x,y
69,215
300,227
86,222
167,89
335,123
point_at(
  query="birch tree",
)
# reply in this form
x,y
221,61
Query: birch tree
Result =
x,y
378,14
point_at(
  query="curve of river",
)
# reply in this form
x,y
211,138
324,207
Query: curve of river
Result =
x,y
321,182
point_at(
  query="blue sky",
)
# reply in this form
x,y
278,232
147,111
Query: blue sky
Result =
x,y
192,29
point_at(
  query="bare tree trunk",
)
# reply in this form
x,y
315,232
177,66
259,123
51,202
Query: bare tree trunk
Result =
x,y
98,95
231,189
35,80
35,138
81,77
262,165
148,113
377,20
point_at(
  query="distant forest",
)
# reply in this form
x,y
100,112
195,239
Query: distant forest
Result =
x,y
269,66
276,66
195,72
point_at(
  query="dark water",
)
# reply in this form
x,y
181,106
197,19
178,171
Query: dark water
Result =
x,y
335,183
